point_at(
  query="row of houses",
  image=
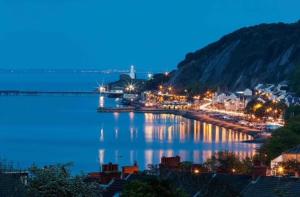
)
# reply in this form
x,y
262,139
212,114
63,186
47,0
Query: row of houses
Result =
x,y
277,93
195,180
238,101
232,101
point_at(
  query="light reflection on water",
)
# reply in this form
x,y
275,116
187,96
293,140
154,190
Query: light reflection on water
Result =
x,y
185,129
170,135
60,129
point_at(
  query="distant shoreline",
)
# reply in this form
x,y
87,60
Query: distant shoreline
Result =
x,y
37,93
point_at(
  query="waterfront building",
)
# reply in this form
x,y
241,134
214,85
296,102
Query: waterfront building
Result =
x,y
109,172
290,155
127,170
170,162
228,102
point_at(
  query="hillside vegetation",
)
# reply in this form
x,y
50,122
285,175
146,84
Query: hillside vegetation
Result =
x,y
266,53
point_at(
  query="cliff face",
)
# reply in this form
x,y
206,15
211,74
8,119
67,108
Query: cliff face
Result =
x,y
267,53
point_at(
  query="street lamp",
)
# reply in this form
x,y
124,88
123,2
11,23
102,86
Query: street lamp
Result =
x,y
130,88
280,170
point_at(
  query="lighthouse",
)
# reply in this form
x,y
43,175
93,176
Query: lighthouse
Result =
x,y
132,73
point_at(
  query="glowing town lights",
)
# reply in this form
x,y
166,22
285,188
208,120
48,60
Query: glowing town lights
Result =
x,y
257,106
280,170
130,87
196,171
116,115
102,89
233,170
170,88
101,101
131,115
150,76
166,74
160,87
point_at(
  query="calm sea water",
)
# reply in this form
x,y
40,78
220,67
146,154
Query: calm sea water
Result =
x,y
58,129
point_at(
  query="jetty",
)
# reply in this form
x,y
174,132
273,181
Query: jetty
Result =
x,y
40,93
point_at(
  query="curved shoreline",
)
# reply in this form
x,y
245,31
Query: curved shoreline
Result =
x,y
193,115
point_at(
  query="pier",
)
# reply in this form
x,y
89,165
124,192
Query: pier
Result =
x,y
40,93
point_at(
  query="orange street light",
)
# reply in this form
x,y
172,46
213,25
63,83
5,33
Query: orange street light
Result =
x,y
280,170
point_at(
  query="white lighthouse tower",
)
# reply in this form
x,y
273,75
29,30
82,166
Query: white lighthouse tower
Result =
x,y
132,73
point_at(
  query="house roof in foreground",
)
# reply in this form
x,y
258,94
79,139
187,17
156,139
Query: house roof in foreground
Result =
x,y
294,150
273,186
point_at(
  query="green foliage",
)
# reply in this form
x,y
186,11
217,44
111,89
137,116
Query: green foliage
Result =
x,y
250,52
295,80
156,81
283,138
151,187
228,162
267,109
292,112
186,165
56,180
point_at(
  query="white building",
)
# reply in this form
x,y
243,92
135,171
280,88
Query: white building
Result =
x,y
247,92
230,102
290,155
132,73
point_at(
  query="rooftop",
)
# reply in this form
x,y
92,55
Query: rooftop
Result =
x,y
294,150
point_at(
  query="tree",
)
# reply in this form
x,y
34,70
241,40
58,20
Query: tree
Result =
x,y
291,113
56,180
156,81
295,80
267,109
283,138
228,162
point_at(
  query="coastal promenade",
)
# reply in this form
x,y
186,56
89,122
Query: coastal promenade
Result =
x,y
194,115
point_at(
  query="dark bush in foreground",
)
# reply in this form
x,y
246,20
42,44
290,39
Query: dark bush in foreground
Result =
x,y
56,180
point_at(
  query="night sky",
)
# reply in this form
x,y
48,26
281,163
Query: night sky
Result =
x,y
101,34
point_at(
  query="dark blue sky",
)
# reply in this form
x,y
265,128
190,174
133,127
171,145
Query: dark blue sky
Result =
x,y
154,34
